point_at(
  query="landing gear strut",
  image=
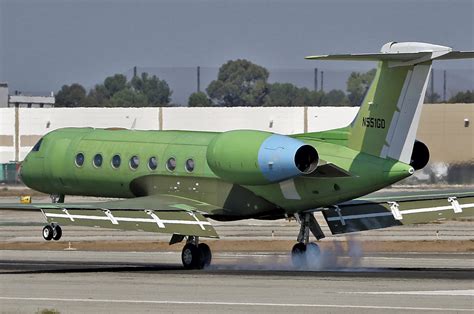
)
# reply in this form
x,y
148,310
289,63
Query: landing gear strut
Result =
x,y
305,253
52,232
195,255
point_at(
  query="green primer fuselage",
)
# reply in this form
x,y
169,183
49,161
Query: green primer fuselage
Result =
x,y
52,170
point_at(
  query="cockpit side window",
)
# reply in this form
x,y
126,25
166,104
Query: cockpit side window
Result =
x,y
37,146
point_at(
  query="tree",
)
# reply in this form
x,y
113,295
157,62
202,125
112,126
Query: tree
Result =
x,y
281,94
335,97
357,86
156,91
239,83
128,98
71,96
463,97
114,84
141,91
432,98
98,96
198,99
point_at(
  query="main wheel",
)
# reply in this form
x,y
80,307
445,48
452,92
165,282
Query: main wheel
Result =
x,y
205,255
58,232
190,256
313,254
298,255
48,233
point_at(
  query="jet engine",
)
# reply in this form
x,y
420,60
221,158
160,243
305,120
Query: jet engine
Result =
x,y
420,155
256,157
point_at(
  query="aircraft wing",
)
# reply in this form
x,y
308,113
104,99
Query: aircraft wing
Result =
x,y
157,213
392,210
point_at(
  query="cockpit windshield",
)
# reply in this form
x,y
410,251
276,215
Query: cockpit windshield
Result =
x,y
37,146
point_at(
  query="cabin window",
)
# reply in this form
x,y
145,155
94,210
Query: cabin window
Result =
x,y
134,162
79,159
116,161
171,164
189,165
97,161
37,146
152,163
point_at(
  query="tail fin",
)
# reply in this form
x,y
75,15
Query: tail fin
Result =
x,y
388,119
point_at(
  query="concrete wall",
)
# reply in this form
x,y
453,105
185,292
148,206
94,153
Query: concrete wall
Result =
x,y
278,120
7,134
441,128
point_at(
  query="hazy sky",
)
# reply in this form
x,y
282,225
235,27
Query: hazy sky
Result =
x,y
46,43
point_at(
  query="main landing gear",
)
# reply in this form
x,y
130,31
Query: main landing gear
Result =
x,y
305,253
195,255
52,232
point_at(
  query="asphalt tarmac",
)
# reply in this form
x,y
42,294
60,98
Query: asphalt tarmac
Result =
x,y
126,282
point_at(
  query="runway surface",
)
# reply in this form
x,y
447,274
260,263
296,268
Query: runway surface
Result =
x,y
124,282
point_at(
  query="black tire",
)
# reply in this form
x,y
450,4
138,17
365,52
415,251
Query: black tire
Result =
x,y
48,233
190,256
58,232
313,255
298,255
205,255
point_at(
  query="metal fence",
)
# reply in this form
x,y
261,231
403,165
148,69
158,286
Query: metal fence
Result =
x,y
186,80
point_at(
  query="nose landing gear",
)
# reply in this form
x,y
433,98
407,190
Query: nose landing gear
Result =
x,y
52,232
306,253
195,255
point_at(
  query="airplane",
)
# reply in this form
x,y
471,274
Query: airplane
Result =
x,y
174,181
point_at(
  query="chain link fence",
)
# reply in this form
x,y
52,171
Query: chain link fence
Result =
x,y
186,80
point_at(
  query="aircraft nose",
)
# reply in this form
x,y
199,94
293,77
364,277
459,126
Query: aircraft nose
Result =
x,y
31,171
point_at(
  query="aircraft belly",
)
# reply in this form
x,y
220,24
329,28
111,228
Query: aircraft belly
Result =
x,y
228,200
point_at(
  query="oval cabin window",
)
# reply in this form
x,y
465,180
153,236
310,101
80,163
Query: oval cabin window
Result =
x,y
152,163
79,159
97,160
134,162
116,161
171,164
189,165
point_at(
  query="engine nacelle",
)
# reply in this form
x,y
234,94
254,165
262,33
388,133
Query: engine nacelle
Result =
x,y
420,155
256,157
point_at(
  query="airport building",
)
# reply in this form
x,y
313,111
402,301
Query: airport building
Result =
x,y
20,100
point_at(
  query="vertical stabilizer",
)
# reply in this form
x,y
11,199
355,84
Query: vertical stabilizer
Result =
x,y
388,118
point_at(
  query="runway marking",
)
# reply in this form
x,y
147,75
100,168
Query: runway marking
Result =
x,y
469,292
164,302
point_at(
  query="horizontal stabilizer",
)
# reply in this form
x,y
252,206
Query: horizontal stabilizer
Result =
x,y
402,54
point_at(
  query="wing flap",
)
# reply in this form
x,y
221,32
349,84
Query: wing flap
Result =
x,y
367,215
173,222
156,213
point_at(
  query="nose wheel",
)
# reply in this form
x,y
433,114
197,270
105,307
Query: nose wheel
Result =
x,y
195,255
52,232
